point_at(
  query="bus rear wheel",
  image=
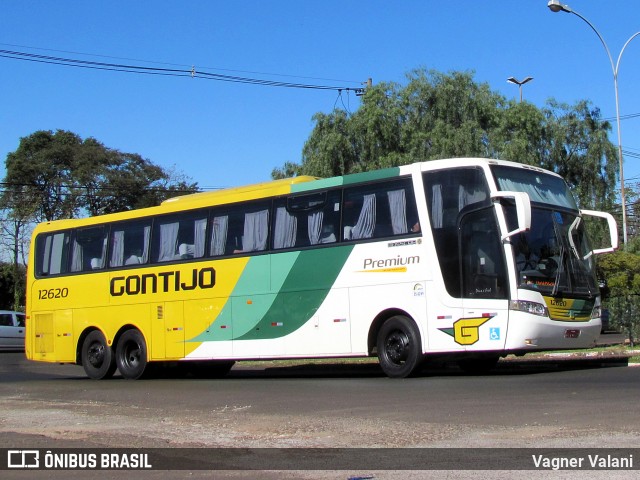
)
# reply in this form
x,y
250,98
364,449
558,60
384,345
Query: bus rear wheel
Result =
x,y
131,354
97,357
399,347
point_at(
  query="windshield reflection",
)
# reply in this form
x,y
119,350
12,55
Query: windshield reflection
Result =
x,y
554,256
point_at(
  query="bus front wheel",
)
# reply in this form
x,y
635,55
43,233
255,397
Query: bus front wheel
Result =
x,y
97,357
131,354
399,347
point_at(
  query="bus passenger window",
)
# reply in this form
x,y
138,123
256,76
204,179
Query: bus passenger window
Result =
x,y
255,232
179,237
307,219
380,210
52,251
239,229
129,244
89,249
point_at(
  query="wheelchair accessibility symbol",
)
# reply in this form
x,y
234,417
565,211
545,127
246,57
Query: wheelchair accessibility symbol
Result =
x,y
494,333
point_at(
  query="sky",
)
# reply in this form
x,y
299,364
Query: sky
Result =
x,y
223,134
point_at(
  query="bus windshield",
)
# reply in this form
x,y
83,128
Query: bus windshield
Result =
x,y
541,187
554,256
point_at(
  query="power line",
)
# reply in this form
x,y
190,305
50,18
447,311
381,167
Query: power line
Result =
x,y
175,72
623,117
129,59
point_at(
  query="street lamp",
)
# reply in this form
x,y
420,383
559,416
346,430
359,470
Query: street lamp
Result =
x,y
556,6
519,83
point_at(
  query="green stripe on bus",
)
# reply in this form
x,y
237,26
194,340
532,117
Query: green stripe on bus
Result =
x,y
266,315
346,180
292,307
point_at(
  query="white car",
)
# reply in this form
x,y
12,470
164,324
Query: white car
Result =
x,y
12,329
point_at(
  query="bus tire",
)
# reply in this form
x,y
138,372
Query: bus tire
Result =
x,y
399,347
97,357
131,354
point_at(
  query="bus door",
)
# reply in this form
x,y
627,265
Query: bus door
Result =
x,y
485,289
168,331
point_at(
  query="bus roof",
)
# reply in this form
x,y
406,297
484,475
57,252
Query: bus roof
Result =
x,y
245,192
273,188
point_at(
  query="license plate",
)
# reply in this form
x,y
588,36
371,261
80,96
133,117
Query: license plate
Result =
x,y
571,333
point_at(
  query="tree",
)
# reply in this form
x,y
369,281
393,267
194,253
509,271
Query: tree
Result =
x,y
622,272
437,115
578,148
59,175
12,285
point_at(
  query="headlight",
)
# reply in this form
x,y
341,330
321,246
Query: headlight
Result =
x,y
529,307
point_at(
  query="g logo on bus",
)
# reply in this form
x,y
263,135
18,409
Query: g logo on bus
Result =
x,y
466,331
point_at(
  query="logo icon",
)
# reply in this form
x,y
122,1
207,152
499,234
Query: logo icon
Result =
x,y
494,333
23,459
465,331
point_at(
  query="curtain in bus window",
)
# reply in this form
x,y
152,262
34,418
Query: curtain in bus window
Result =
x,y
76,257
219,229
398,211
145,247
57,254
286,229
199,236
367,219
467,196
436,206
256,228
314,225
117,249
168,241
97,263
45,260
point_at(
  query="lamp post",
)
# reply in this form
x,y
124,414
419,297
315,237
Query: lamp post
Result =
x,y
556,6
519,83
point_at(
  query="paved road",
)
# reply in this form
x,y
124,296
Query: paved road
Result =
x,y
522,404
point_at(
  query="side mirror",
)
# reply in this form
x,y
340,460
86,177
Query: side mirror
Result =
x,y
523,211
613,230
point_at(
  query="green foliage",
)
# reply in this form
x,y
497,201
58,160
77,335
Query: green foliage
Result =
x,y
437,115
578,148
12,287
59,175
622,272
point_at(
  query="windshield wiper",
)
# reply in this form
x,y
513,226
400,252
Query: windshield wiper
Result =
x,y
563,254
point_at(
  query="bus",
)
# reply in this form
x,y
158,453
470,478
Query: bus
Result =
x,y
466,259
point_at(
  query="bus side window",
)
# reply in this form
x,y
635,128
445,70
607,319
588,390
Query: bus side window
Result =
x,y
239,229
448,192
179,237
89,249
52,253
305,220
129,244
483,267
380,210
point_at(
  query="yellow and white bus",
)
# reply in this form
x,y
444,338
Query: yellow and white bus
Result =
x,y
470,258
